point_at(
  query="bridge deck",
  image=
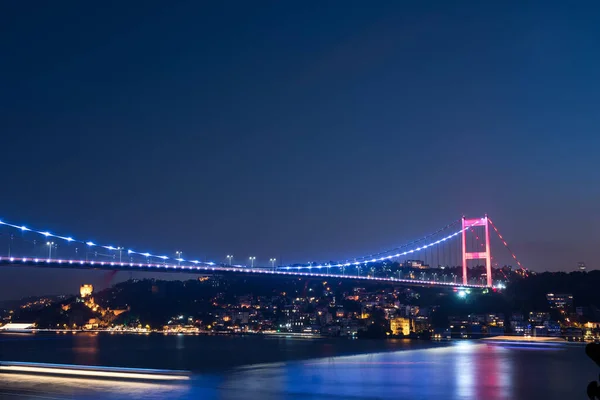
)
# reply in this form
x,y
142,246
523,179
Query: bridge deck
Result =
x,y
158,267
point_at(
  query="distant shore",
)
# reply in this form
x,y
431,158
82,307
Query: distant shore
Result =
x,y
536,339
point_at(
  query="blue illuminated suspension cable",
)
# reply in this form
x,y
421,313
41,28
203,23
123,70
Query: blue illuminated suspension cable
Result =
x,y
380,259
92,244
450,225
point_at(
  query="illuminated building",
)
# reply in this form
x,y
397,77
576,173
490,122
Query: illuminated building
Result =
x,y
415,264
538,318
86,290
552,328
92,324
495,320
560,301
400,326
421,323
477,318
520,328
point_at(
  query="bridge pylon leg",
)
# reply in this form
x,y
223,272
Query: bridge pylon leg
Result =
x,y
476,255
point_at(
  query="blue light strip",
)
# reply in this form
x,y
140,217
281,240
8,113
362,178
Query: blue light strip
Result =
x,y
396,249
92,244
54,263
373,260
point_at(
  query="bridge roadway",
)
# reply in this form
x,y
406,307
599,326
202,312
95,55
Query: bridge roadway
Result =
x,y
191,269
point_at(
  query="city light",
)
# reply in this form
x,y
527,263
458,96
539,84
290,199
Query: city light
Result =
x,y
462,294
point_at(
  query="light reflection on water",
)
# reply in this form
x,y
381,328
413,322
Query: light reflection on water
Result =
x,y
63,387
85,349
463,370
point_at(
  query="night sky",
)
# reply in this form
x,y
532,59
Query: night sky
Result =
x,y
299,130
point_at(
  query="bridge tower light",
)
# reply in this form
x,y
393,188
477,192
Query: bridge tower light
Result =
x,y
476,255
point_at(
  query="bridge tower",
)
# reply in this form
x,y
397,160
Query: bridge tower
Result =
x,y
477,255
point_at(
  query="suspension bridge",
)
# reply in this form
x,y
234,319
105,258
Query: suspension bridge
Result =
x,y
423,261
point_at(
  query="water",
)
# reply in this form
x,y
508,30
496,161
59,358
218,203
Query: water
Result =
x,y
280,368
200,354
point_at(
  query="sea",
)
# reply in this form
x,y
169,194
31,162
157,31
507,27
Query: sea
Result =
x,y
269,367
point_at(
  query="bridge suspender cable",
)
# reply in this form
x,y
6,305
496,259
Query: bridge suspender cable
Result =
x,y
389,257
482,244
450,225
505,244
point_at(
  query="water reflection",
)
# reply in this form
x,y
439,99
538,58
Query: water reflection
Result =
x,y
462,370
61,387
85,349
482,372
442,372
465,370
495,373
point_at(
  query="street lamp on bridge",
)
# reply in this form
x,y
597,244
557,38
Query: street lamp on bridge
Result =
x,y
272,261
178,254
252,261
229,259
50,244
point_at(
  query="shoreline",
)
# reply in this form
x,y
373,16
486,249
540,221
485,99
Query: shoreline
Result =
x,y
299,335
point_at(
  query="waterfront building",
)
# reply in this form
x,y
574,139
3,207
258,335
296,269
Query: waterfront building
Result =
x,y
401,325
560,301
538,318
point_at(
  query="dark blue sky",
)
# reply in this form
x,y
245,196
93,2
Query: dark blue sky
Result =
x,y
302,131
